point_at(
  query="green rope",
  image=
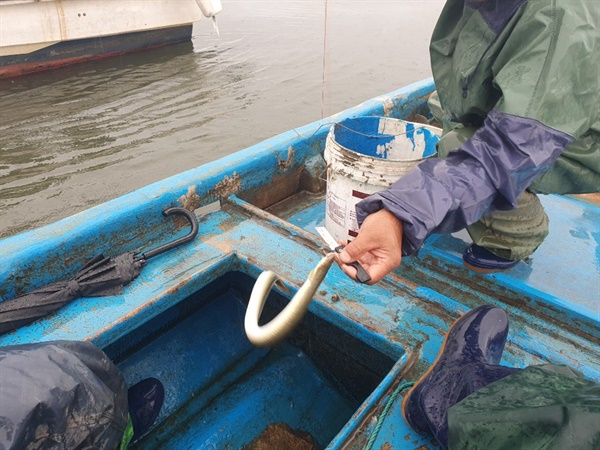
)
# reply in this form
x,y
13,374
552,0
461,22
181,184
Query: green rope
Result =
x,y
384,413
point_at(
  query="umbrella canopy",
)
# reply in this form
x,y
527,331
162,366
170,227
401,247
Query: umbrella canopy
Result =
x,y
100,277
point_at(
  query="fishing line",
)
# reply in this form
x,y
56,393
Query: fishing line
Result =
x,y
324,63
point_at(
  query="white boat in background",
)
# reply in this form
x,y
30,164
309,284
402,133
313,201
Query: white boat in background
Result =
x,y
37,35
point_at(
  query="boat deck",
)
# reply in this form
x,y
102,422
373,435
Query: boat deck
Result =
x,y
554,316
552,299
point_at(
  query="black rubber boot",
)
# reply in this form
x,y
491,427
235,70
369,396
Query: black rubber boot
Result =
x,y
481,260
145,401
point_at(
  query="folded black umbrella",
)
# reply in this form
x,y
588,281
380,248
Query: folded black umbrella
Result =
x,y
100,277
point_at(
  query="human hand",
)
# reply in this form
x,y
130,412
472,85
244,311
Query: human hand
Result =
x,y
378,246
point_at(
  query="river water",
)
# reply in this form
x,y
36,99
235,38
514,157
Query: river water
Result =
x,y
78,136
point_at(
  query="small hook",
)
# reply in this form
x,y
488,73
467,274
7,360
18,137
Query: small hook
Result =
x,y
182,240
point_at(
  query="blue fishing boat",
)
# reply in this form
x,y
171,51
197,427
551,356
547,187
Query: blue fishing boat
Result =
x,y
333,381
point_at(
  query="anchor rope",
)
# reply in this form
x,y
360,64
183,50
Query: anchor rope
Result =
x,y
384,413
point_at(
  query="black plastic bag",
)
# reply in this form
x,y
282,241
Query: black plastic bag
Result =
x,y
60,395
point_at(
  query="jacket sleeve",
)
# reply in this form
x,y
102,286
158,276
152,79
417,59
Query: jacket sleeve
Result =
x,y
545,104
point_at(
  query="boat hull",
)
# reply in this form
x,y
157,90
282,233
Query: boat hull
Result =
x,y
40,35
77,51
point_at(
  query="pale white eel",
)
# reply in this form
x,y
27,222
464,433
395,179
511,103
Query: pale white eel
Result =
x,y
278,328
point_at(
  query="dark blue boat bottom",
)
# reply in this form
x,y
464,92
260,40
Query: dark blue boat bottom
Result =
x,y
79,50
222,392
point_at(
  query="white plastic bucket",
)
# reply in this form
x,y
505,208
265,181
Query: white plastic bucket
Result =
x,y
365,155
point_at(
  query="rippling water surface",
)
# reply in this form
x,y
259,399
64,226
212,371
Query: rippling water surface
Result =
x,y
78,136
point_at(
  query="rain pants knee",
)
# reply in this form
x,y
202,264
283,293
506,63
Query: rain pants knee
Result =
x,y
548,407
518,92
60,395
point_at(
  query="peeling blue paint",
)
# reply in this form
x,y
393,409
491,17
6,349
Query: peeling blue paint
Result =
x,y
171,321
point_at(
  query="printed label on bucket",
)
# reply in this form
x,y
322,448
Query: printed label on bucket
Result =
x,y
336,209
352,221
340,219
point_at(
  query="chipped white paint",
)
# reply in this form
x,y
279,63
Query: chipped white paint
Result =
x,y
409,143
190,200
388,106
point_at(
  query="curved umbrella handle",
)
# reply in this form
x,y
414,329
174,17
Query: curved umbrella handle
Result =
x,y
189,215
286,321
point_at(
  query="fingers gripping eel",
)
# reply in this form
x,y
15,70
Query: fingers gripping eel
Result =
x,y
278,328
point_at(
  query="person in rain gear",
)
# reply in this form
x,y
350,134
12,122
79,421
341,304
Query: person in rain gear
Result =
x,y
69,395
467,400
517,96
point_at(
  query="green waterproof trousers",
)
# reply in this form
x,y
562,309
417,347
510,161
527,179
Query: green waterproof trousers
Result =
x,y
541,407
517,233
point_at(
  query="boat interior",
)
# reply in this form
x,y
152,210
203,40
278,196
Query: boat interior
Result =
x,y
182,319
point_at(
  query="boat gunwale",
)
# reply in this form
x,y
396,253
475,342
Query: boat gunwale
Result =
x,y
52,252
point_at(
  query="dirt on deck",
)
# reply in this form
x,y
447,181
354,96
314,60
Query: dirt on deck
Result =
x,y
282,436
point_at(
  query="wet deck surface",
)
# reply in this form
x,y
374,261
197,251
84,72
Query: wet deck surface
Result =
x,y
552,300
